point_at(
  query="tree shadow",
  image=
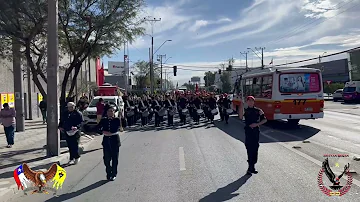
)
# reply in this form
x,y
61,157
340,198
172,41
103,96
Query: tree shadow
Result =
x,y
227,192
74,194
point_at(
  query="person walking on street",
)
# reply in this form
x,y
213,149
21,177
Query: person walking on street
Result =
x,y
70,124
254,117
43,109
109,126
7,118
99,110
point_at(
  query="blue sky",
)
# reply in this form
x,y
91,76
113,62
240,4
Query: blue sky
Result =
x,y
205,33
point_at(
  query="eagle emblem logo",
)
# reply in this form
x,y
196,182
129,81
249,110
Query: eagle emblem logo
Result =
x,y
37,181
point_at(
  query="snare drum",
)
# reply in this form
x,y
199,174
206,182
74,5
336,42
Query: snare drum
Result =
x,y
130,113
162,112
184,111
200,111
145,113
214,112
229,111
172,112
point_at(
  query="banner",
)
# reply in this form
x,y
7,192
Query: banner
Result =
x,y
11,100
4,98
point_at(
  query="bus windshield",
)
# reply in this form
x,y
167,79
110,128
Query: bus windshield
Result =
x,y
299,83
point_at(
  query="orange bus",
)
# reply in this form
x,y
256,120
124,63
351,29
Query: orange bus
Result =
x,y
282,93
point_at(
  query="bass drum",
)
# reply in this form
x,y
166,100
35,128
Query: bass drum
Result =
x,y
229,111
200,111
214,112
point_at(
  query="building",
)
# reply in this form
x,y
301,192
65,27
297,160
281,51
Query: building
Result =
x,y
336,71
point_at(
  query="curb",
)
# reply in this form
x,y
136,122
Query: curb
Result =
x,y
61,160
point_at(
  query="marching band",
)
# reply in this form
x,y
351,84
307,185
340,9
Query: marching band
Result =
x,y
188,104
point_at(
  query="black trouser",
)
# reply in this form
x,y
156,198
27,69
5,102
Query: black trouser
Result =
x,y
170,119
111,156
144,120
196,116
157,119
130,120
226,116
252,145
221,111
182,117
73,145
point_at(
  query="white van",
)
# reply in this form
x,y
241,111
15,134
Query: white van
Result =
x,y
90,113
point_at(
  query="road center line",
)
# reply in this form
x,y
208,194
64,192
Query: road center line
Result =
x,y
182,159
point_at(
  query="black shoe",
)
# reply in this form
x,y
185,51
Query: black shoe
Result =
x,y
254,171
112,178
248,172
108,177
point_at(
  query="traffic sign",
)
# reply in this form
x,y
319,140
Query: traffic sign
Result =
x,y
328,82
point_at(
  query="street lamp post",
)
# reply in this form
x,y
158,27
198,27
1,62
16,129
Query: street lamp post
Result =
x,y
262,54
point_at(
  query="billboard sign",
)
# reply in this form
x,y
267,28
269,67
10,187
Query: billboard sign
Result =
x,y
116,68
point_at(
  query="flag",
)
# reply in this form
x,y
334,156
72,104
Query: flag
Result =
x,y
59,178
272,61
20,178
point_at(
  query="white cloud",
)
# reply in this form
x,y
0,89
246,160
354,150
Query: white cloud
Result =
x,y
324,8
203,23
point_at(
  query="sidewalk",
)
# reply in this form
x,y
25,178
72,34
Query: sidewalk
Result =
x,y
29,147
28,124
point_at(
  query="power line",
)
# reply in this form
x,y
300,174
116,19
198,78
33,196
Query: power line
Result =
x,y
297,31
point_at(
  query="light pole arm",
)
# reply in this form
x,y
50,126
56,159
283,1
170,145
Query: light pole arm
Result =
x,y
160,46
255,53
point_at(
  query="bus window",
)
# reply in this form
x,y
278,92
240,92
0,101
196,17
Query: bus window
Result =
x,y
248,87
267,87
257,87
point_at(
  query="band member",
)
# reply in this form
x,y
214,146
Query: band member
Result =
x,y
226,104
129,110
144,110
170,105
183,104
220,104
157,107
70,124
212,106
109,126
197,105
254,117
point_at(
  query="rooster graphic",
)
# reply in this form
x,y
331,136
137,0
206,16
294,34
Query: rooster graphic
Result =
x,y
333,179
39,178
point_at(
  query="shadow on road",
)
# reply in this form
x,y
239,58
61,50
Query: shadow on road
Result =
x,y
74,194
235,129
227,192
10,174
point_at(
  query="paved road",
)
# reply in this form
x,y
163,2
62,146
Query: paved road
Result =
x,y
203,163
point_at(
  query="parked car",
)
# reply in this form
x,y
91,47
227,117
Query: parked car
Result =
x,y
337,95
351,91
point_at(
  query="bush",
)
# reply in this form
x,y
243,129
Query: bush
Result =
x,y
333,87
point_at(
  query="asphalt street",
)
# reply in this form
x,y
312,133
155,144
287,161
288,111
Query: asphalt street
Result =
x,y
207,163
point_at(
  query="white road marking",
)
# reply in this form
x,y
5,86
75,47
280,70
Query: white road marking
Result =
x,y
289,147
182,159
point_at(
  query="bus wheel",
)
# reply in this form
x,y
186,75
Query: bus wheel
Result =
x,y
293,122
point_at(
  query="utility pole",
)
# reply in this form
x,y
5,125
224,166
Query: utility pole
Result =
x,y
29,94
262,56
89,83
165,84
160,58
18,87
152,82
124,73
245,54
53,138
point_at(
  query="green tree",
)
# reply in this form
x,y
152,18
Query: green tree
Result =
x,y
142,74
86,29
95,28
226,82
209,78
189,86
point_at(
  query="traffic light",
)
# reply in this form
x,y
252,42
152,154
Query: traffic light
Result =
x,y
219,71
175,70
